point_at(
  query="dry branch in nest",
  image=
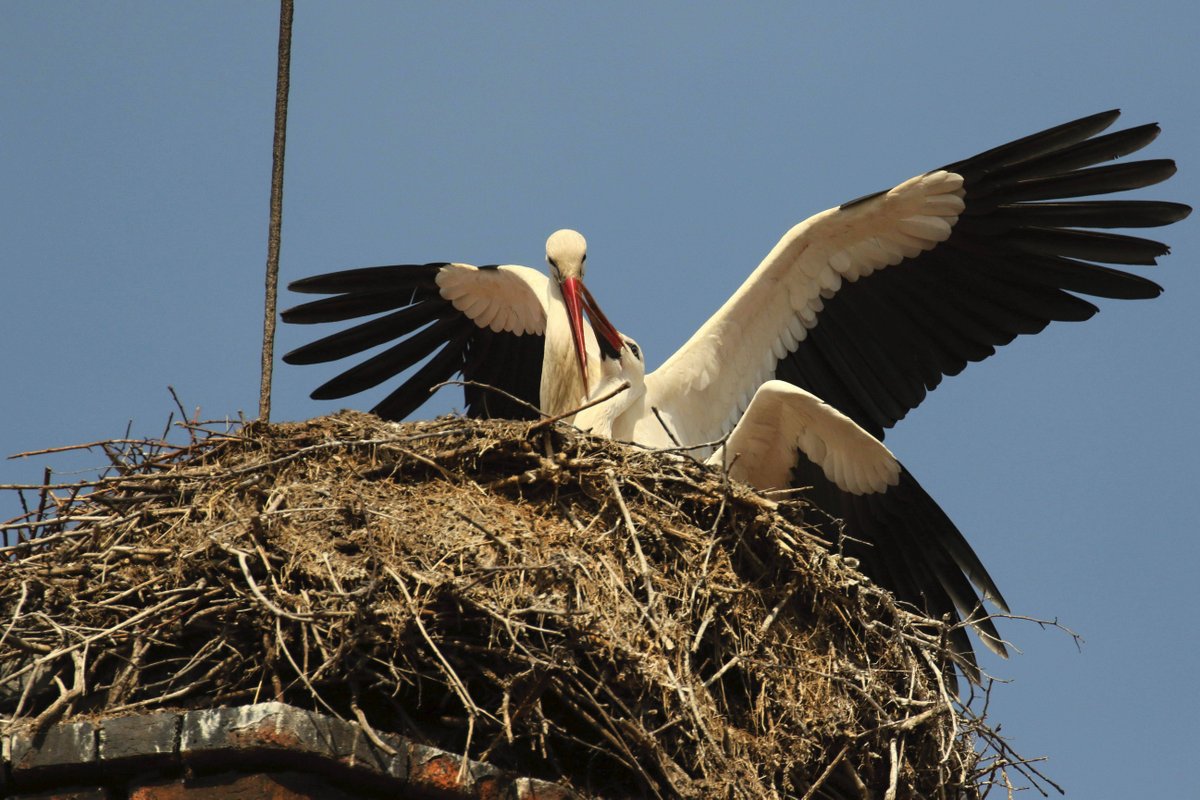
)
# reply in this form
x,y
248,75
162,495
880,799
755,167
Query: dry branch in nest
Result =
x,y
627,622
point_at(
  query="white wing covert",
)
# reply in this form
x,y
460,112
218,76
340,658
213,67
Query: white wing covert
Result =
x,y
717,372
784,422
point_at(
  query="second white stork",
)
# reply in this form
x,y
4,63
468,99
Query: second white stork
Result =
x,y
877,512
858,311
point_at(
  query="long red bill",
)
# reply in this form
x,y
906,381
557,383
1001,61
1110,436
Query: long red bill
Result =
x,y
605,330
571,289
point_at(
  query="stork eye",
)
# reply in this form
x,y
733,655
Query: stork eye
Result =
x,y
633,348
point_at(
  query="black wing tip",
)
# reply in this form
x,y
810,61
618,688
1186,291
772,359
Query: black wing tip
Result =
x,y
1151,130
1163,166
356,278
1174,212
318,284
304,285
295,315
1142,289
1103,119
1094,123
307,355
338,388
327,392
318,311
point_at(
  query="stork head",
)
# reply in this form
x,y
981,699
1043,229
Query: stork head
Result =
x,y
566,254
626,365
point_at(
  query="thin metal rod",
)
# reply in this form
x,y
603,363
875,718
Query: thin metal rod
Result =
x,y
281,101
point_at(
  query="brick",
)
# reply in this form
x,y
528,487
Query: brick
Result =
x,y
266,728
220,729
65,745
284,753
349,746
438,771
435,770
156,790
123,739
78,793
242,786
496,786
534,789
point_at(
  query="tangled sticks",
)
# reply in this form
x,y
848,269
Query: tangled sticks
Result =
x,y
628,622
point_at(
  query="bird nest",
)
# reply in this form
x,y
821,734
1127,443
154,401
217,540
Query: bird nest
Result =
x,y
629,623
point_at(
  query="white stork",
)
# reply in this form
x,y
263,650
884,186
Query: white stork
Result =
x,y
859,310
507,327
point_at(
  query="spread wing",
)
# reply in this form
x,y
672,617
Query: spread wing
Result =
x,y
902,539
869,304
484,323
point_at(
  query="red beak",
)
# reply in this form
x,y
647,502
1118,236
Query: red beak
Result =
x,y
571,296
604,329
577,299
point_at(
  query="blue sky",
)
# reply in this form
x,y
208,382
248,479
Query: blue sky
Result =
x,y
683,140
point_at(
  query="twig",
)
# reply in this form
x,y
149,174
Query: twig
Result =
x,y
66,697
536,426
241,556
423,460
763,628
489,388
670,433
43,495
459,687
370,732
69,447
107,632
812,790
893,771
312,690
643,566
46,523
909,723
16,611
